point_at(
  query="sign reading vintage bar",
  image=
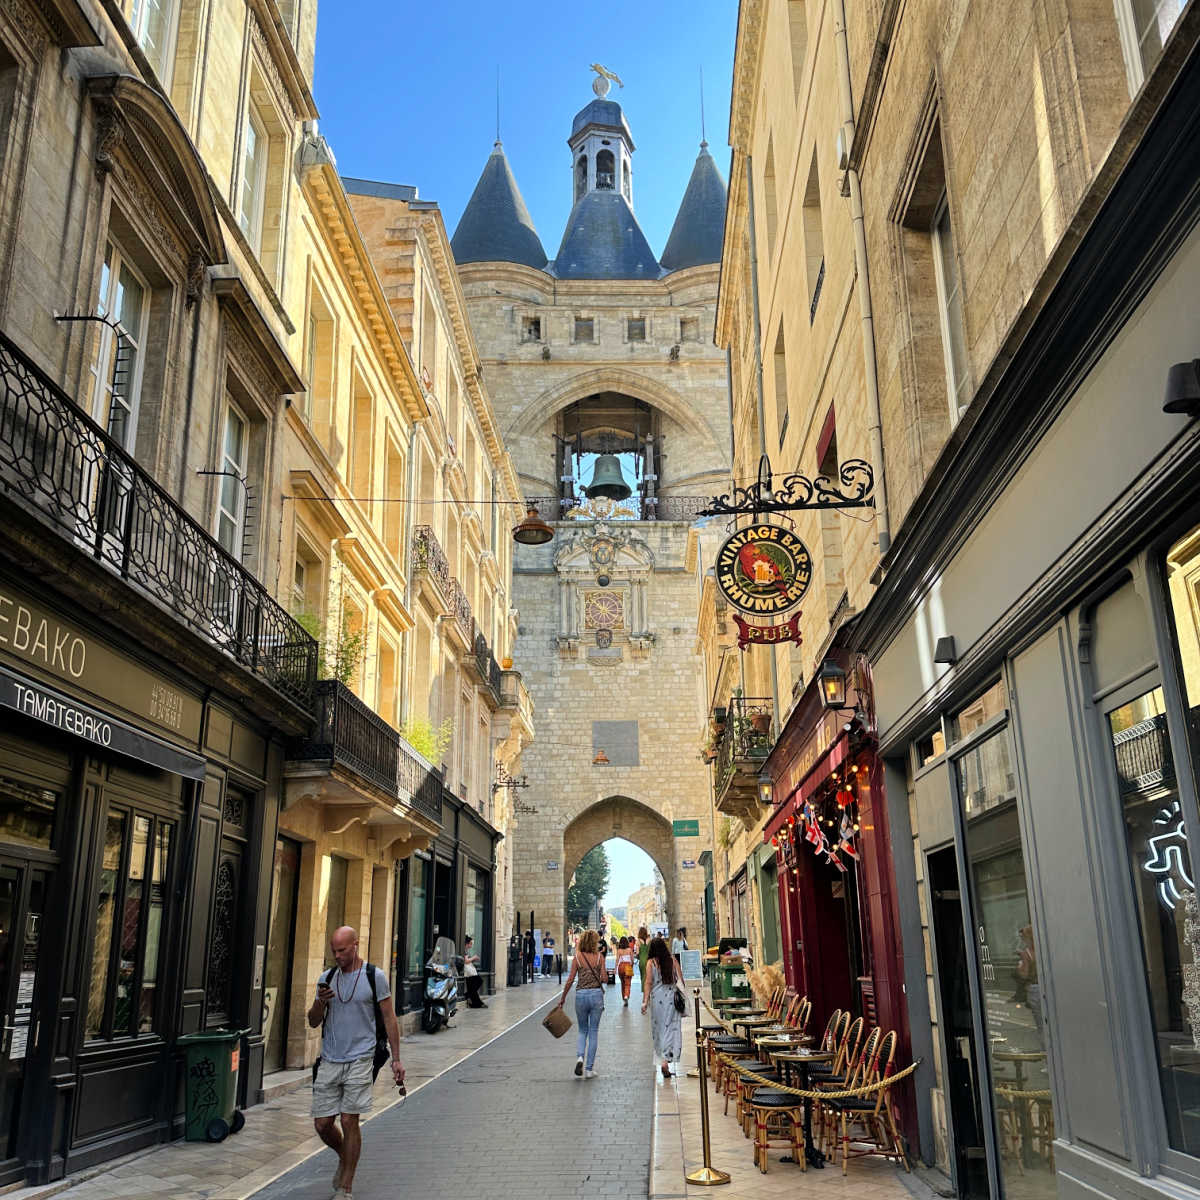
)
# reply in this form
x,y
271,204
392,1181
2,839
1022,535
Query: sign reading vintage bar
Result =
x,y
764,570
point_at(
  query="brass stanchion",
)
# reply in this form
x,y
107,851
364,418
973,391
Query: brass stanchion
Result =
x,y
707,1175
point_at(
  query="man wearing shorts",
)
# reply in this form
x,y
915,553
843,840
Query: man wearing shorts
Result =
x,y
346,1010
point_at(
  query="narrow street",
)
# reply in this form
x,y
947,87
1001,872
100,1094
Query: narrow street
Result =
x,y
513,1118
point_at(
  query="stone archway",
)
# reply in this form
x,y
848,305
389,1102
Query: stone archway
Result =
x,y
621,817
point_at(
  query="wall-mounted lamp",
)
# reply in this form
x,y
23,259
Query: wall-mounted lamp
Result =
x,y
833,685
1183,389
601,759
766,789
944,652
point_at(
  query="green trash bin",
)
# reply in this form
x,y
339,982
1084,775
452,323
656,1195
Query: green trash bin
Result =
x,y
210,1080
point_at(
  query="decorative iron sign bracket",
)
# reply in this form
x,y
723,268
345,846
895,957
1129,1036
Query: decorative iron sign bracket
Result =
x,y
852,489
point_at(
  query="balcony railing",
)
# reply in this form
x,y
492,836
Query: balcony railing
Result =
x,y
74,477
349,734
1143,754
746,738
428,555
486,664
460,607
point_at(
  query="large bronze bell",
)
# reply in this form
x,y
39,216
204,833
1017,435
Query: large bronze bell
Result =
x,y
608,481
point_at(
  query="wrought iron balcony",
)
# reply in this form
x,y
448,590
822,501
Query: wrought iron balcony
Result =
x,y
744,742
428,556
1143,754
64,469
486,666
350,735
460,609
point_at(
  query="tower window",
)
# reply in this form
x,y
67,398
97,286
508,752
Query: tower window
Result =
x,y
531,329
585,329
635,329
605,171
581,176
689,329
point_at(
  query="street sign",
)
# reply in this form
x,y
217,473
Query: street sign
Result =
x,y
685,828
552,866
688,863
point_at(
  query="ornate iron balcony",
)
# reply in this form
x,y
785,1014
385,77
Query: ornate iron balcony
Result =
x,y
460,606
744,742
428,555
61,466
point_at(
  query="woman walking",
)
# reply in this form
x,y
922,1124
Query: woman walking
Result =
x,y
643,939
588,966
666,1022
625,958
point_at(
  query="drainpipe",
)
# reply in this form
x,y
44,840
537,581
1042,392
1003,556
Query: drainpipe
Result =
x,y
762,407
851,187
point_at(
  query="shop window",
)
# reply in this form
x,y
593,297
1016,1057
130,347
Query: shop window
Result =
x,y
116,368
26,813
979,712
418,908
635,329
1145,26
531,329
585,329
153,23
931,746
129,912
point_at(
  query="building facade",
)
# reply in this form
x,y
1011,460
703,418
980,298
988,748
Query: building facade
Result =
x,y
601,360
1012,197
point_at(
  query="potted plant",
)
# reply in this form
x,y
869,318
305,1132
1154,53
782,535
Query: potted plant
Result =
x,y
761,722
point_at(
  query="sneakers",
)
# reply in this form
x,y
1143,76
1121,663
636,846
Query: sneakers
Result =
x,y
590,1074
579,1066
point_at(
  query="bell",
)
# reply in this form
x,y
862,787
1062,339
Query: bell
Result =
x,y
607,480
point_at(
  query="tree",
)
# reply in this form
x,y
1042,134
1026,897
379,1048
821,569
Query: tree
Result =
x,y
588,884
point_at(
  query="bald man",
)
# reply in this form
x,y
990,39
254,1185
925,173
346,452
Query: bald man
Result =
x,y
345,1008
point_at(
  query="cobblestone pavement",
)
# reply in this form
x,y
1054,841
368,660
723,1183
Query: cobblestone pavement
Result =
x,y
279,1133
513,1121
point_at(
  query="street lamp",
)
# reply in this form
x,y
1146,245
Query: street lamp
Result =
x,y
532,531
833,685
766,789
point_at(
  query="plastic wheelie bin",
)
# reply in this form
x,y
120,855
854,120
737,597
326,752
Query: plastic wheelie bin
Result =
x,y
210,1083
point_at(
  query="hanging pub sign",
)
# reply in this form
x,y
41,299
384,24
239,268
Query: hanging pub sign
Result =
x,y
768,635
763,570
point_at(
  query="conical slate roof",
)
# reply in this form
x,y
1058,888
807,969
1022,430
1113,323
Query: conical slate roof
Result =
x,y
699,229
496,225
604,241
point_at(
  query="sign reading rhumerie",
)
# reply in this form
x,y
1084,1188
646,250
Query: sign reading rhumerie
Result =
x,y
763,569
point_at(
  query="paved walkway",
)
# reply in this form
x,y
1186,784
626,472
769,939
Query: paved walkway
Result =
x,y
513,1120
279,1133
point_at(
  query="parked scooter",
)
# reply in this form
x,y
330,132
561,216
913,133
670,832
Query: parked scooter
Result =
x,y
441,986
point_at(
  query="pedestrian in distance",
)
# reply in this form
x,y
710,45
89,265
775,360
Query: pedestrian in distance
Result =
x,y
666,1021
345,1009
587,973
530,955
547,952
679,945
643,954
471,974
625,959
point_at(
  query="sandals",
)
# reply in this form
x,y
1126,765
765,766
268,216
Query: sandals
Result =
x,y
666,1071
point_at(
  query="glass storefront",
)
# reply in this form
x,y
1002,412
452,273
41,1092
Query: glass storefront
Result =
x,y
476,910
418,907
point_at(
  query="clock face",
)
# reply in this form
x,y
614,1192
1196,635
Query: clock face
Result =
x,y
603,610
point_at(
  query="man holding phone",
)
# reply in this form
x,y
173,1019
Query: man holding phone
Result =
x,y
345,1009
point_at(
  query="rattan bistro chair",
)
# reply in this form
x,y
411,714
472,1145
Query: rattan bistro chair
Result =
x,y
871,1113
851,1077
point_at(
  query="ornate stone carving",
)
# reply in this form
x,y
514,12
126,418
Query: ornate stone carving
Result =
x,y
248,364
25,19
110,133
266,63
194,284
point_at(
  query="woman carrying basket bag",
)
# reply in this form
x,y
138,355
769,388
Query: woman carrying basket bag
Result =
x,y
588,975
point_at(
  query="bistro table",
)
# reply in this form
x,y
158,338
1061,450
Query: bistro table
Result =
x,y
801,1060
747,1022
783,1041
1020,1096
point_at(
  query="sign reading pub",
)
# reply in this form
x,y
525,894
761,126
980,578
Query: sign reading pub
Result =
x,y
764,570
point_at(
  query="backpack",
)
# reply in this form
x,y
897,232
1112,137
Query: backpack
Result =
x,y
383,1050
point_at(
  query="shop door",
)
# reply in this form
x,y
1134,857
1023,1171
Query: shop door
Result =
x,y
768,894
23,892
958,1028
285,893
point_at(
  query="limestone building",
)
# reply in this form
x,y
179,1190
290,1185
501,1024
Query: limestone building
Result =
x,y
601,360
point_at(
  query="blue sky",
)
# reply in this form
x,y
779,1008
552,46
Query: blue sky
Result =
x,y
407,94
629,868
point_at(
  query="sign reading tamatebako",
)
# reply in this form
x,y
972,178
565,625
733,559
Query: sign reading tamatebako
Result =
x,y
763,569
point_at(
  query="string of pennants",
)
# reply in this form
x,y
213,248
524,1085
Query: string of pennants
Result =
x,y
830,830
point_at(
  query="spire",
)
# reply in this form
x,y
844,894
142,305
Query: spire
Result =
x,y
699,229
496,225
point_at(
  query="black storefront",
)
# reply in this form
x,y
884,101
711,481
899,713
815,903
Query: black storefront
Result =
x,y
140,774
445,891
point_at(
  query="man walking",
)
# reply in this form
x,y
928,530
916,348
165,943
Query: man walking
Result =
x,y
345,1008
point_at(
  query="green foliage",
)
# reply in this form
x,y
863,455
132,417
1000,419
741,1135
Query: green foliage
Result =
x,y
337,657
427,741
590,882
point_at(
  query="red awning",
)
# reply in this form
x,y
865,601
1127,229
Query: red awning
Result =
x,y
810,784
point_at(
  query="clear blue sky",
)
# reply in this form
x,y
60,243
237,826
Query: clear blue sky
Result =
x,y
407,94
629,867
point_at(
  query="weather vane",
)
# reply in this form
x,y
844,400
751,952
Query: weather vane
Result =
x,y
601,84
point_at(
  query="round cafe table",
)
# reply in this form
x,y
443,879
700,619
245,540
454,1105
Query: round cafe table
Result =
x,y
799,1061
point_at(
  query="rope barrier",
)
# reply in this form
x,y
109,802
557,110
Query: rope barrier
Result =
x,y
866,1089
1022,1094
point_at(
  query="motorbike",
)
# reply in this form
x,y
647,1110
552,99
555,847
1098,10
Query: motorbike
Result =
x,y
441,986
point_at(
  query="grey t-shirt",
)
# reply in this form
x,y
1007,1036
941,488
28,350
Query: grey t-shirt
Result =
x,y
349,1031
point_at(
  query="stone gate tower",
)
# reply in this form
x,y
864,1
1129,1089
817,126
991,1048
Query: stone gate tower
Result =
x,y
605,353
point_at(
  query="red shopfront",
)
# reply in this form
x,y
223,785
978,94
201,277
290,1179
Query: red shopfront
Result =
x,y
839,929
